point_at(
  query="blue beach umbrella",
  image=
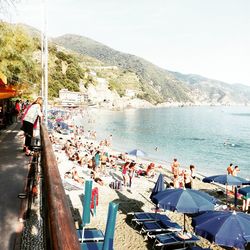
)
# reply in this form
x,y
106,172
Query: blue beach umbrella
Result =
x,y
110,226
137,153
50,125
245,191
226,228
226,179
159,186
86,204
63,125
187,201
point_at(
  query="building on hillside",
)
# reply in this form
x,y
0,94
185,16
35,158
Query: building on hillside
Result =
x,y
130,93
70,98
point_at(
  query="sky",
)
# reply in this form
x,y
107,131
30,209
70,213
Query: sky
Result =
x,y
205,37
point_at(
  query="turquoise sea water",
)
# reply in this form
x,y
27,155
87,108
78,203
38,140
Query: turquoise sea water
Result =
x,y
208,137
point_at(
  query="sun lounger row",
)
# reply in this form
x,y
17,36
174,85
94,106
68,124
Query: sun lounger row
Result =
x,y
174,238
164,232
140,217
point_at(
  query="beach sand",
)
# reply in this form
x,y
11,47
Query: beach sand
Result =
x,y
130,200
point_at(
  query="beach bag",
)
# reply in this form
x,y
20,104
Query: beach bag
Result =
x,y
115,185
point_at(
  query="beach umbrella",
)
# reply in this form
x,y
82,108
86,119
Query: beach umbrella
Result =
x,y
50,125
159,186
63,125
226,179
86,204
245,191
226,228
137,153
187,201
110,226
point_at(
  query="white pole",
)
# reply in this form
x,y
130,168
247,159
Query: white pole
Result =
x,y
45,64
42,57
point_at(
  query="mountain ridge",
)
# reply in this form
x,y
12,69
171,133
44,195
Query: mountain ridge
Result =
x,y
162,84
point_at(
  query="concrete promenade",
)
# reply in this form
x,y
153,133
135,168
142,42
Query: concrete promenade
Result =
x,y
13,173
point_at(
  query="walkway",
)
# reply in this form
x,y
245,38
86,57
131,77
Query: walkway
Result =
x,y
13,172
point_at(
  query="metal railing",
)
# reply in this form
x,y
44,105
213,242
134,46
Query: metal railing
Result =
x,y
60,228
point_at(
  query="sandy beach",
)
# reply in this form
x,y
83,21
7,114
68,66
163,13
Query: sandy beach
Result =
x,y
130,199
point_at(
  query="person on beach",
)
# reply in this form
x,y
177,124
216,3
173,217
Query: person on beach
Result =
x,y
104,160
192,171
95,176
175,167
73,174
151,170
131,172
236,171
246,203
125,168
230,169
187,179
30,119
176,183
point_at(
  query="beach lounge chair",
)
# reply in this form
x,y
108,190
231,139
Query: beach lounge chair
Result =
x,y
174,239
92,246
151,228
140,217
90,235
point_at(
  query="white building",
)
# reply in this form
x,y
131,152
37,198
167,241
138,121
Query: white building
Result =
x,y
70,98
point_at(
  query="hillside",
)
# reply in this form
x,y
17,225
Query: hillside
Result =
x,y
157,84
215,91
76,60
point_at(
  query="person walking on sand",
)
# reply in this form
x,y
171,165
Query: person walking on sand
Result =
x,y
30,119
125,173
131,172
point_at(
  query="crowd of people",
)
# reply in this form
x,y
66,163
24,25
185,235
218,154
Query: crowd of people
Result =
x,y
183,178
98,158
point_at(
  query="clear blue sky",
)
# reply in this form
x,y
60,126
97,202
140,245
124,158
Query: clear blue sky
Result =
x,y
206,37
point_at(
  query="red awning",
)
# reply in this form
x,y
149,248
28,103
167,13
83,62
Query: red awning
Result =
x,y
7,92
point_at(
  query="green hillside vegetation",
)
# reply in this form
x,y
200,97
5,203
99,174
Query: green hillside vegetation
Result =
x,y
20,61
16,57
157,84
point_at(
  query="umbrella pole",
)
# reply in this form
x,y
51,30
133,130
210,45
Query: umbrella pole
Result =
x,y
226,195
82,233
235,197
185,223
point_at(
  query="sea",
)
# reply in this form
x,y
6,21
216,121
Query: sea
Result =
x,y
209,137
